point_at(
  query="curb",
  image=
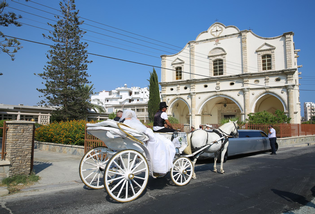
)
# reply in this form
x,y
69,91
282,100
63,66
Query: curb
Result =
x,y
3,191
303,145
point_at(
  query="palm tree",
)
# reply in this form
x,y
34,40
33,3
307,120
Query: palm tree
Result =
x,y
88,91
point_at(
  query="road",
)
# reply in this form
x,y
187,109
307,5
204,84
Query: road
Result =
x,y
259,183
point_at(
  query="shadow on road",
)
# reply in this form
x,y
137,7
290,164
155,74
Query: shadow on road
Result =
x,y
292,197
40,166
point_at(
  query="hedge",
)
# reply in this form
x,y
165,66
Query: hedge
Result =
x,y
69,132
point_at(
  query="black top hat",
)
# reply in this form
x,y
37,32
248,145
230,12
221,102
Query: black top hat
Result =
x,y
163,105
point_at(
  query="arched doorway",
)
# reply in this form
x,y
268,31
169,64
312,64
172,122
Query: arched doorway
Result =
x,y
219,108
269,103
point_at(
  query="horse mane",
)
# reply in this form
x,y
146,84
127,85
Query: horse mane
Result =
x,y
225,124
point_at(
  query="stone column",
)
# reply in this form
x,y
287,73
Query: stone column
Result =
x,y
244,50
246,103
246,92
192,59
193,109
163,64
19,147
291,102
18,116
197,120
289,49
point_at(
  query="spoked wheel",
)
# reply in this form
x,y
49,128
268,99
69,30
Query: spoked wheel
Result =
x,y
126,175
92,167
182,171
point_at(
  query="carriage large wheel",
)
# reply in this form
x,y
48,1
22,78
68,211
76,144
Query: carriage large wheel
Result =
x,y
182,171
126,175
92,167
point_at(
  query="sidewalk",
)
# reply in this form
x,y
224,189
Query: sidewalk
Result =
x,y
57,171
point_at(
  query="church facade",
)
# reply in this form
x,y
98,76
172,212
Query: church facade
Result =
x,y
228,73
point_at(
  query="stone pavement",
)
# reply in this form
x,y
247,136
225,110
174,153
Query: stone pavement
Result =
x,y
57,171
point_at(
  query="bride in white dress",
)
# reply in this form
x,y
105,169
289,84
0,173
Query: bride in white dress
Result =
x,y
162,150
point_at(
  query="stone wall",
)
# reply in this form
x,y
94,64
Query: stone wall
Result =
x,y
19,147
291,141
61,148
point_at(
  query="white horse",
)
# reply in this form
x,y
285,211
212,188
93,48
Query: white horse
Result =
x,y
218,139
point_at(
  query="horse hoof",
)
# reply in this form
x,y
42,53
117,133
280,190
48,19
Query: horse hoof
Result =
x,y
222,172
194,176
215,171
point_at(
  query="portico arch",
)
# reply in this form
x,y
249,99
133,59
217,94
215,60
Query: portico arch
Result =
x,y
218,107
180,109
269,102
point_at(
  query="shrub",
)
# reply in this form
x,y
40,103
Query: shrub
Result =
x,y
173,120
112,115
265,117
223,121
68,132
1,125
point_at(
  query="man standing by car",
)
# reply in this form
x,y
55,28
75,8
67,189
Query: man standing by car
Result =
x,y
272,139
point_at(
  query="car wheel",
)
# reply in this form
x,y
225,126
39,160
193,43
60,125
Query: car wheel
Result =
x,y
277,146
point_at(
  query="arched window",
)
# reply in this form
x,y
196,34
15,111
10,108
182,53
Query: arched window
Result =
x,y
178,73
217,67
266,62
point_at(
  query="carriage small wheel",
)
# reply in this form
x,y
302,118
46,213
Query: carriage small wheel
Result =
x,y
126,175
92,167
182,171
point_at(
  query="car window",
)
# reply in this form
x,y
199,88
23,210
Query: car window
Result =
x,y
263,134
246,134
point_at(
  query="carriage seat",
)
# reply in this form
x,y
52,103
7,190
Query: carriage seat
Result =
x,y
113,131
167,135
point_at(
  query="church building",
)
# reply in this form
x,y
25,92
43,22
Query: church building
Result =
x,y
228,73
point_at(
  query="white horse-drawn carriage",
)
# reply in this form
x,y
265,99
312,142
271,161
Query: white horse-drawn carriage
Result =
x,y
124,165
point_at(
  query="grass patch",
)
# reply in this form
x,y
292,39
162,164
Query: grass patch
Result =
x,y
18,182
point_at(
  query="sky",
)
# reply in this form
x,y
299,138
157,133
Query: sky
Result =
x,y
141,31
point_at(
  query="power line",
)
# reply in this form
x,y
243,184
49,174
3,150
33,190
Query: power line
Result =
x,y
232,68
206,68
113,27
125,60
98,27
107,44
237,67
147,55
109,57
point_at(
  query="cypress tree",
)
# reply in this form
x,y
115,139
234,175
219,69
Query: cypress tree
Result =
x,y
66,71
154,97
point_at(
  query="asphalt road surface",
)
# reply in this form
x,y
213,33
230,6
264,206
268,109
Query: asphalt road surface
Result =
x,y
259,183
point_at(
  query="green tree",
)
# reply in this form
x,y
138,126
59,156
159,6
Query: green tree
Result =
x,y
154,97
65,72
265,117
112,115
8,45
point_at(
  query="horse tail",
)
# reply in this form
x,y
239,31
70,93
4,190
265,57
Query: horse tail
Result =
x,y
187,150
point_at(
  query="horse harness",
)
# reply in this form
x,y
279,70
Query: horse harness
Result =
x,y
218,132
224,140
